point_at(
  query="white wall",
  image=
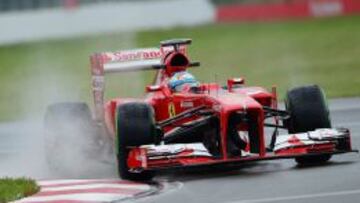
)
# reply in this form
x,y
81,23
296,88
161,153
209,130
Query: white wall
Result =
x,y
18,27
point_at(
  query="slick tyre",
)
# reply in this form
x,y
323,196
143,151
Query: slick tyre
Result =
x,y
135,127
308,111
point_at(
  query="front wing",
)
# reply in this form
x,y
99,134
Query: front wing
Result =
x,y
320,141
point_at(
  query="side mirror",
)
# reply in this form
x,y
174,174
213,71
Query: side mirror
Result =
x,y
235,82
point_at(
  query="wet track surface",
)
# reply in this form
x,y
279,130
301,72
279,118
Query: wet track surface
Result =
x,y
268,181
278,180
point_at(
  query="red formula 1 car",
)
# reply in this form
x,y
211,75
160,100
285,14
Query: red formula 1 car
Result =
x,y
202,124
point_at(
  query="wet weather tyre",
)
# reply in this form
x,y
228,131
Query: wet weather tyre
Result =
x,y
135,127
308,111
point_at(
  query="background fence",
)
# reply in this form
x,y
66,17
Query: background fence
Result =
x,y
20,5
260,10
20,20
93,17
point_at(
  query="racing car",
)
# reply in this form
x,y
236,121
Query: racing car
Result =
x,y
199,124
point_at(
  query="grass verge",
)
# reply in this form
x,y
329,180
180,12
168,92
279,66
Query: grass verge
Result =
x,y
16,188
286,54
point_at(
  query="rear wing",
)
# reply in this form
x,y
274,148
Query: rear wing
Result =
x,y
135,60
123,61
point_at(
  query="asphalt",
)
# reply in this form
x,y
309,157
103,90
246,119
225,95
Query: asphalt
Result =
x,y
269,181
280,180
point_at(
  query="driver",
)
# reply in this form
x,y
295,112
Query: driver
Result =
x,y
182,81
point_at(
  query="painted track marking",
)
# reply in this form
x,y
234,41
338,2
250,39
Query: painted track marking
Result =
x,y
298,197
93,186
74,191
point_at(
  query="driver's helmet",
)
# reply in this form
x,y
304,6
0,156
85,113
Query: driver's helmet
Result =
x,y
182,81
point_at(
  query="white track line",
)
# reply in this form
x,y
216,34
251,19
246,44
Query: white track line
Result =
x,y
298,197
349,124
92,186
94,197
74,181
55,182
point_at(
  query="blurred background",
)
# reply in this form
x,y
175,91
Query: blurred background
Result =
x,y
45,45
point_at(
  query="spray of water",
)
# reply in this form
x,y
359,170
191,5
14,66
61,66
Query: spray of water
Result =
x,y
22,150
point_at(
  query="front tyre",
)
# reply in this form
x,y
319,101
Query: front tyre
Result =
x,y
308,111
135,127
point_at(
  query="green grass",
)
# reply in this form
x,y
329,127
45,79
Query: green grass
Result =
x,y
12,189
286,54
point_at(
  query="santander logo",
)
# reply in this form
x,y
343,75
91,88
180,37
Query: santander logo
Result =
x,y
140,54
326,8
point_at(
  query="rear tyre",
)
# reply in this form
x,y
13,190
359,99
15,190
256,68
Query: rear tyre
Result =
x,y
308,111
135,127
